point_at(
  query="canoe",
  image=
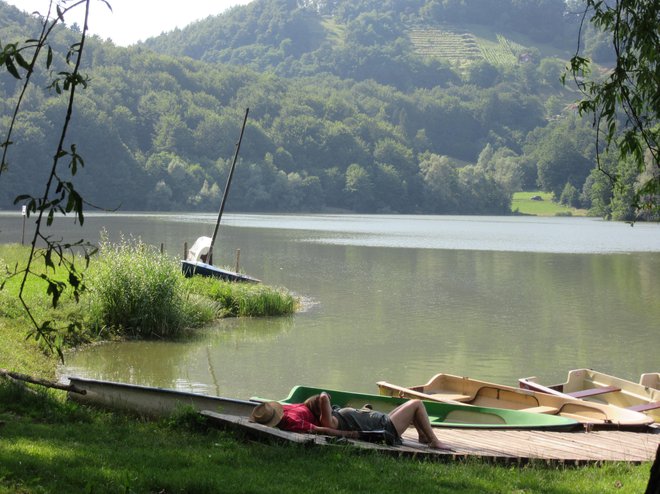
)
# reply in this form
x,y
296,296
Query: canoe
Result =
x,y
157,402
467,391
190,268
448,415
596,387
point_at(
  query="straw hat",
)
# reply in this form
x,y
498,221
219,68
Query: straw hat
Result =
x,y
269,413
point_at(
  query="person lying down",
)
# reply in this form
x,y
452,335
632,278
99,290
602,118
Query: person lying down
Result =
x,y
317,416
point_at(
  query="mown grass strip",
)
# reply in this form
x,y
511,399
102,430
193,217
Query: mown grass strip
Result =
x,y
523,203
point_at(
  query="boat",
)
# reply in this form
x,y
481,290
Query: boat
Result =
x,y
151,401
597,387
449,415
199,259
468,391
195,265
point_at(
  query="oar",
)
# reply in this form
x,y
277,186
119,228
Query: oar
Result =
x,y
409,393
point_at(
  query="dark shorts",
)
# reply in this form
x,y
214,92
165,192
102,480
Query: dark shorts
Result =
x,y
366,420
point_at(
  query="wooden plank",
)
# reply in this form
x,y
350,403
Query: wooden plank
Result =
x,y
571,447
623,444
550,446
558,446
600,444
504,446
472,441
645,407
585,393
256,430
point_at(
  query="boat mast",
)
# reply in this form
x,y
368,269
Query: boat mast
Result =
x,y
226,191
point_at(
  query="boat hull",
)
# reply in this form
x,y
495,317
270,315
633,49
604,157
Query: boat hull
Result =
x,y
157,402
191,268
596,387
444,387
442,414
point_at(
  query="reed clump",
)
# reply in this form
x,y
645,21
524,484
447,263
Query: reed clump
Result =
x,y
132,290
135,290
245,299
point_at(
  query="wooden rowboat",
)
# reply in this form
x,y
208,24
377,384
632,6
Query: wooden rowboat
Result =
x,y
467,391
453,415
597,387
157,402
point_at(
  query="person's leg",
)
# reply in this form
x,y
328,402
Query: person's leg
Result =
x,y
413,413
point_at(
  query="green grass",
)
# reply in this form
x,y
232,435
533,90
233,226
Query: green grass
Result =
x,y
245,299
524,204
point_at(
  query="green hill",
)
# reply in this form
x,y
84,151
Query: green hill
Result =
x,y
406,106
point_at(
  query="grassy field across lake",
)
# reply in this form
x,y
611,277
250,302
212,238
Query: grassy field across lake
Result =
x,y
524,204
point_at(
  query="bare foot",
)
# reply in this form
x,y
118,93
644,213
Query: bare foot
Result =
x,y
438,445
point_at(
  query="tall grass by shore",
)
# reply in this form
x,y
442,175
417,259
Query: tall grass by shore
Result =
x,y
142,292
135,291
244,299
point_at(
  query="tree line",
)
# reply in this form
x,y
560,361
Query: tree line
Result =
x,y
157,130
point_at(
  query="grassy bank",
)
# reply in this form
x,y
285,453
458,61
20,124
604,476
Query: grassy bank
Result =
x,y
50,445
523,203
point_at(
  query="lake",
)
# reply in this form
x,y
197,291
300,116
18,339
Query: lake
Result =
x,y
398,298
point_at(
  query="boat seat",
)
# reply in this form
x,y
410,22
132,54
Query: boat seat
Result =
x,y
450,396
585,393
645,407
541,409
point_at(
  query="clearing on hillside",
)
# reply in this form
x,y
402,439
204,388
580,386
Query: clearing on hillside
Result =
x,y
462,47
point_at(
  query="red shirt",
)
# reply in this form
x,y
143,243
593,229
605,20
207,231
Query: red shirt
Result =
x,y
298,418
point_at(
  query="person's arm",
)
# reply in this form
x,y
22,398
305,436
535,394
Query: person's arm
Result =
x,y
329,431
326,418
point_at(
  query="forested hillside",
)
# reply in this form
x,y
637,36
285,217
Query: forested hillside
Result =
x,y
410,106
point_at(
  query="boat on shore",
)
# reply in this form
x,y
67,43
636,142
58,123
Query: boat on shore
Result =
x,y
447,388
450,415
195,265
597,387
151,401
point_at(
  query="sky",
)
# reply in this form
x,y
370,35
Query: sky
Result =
x,y
135,20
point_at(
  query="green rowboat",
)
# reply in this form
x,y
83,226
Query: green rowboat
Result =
x,y
441,414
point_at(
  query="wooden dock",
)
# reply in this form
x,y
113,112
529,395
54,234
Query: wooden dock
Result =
x,y
553,447
501,446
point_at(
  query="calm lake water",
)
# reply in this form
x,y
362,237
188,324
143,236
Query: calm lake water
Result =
x,y
399,298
